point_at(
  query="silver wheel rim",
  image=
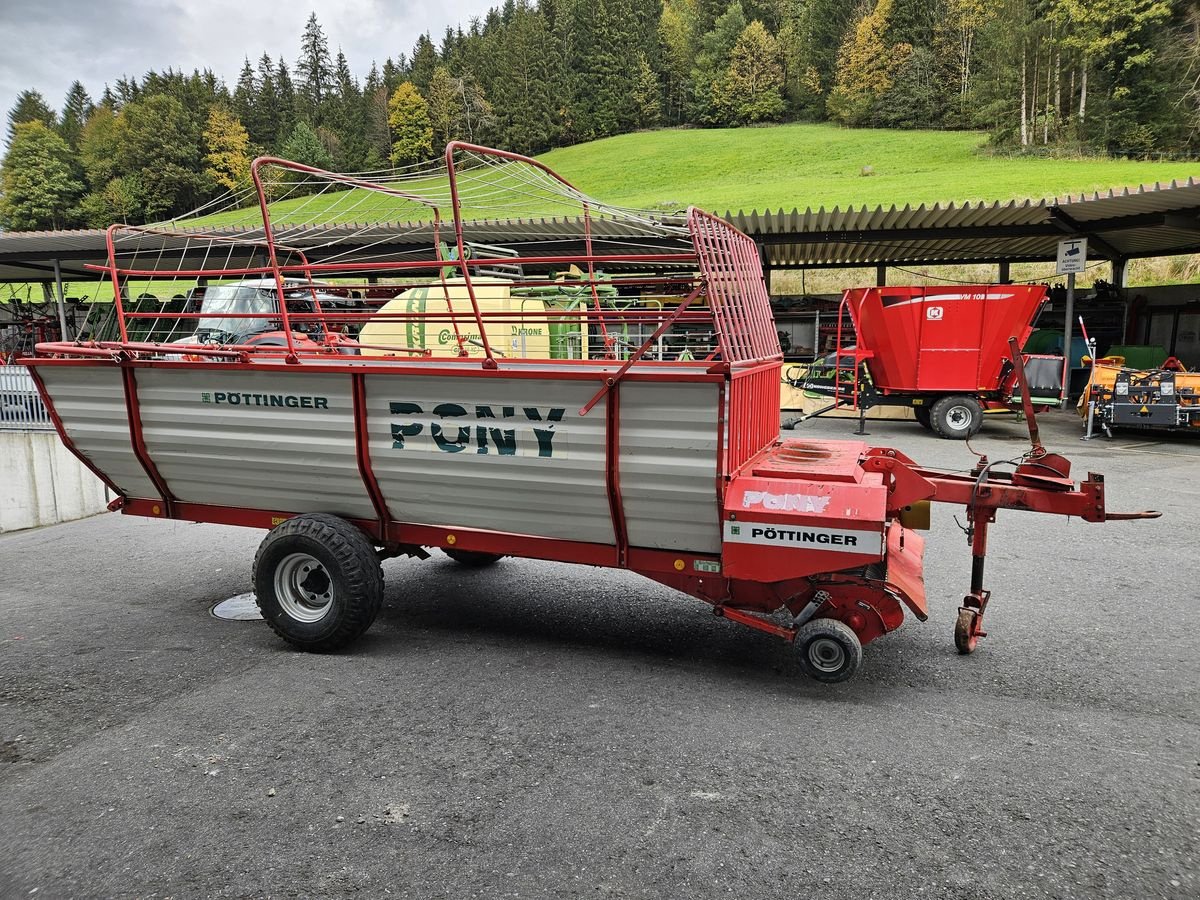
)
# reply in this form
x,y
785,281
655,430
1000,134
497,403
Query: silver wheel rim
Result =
x,y
826,654
959,418
303,587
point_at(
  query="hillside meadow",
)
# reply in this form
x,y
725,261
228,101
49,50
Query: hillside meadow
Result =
x,y
808,166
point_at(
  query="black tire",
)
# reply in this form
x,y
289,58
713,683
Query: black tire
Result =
x,y
923,416
966,637
956,417
473,559
829,650
318,582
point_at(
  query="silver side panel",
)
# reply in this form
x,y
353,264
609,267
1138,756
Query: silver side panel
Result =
x,y
494,453
251,453
669,465
469,452
90,400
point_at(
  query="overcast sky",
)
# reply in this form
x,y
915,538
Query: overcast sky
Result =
x,y
50,43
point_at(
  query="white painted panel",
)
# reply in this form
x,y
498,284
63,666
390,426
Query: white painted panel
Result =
x,y
669,465
90,400
436,473
254,453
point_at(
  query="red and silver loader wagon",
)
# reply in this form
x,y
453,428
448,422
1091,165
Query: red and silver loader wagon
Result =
x,y
480,359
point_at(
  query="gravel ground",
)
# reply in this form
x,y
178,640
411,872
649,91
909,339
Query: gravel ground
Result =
x,y
542,730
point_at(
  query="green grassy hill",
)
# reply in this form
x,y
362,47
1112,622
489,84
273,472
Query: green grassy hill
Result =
x,y
799,166
793,166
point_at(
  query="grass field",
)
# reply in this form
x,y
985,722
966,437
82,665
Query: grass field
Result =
x,y
799,166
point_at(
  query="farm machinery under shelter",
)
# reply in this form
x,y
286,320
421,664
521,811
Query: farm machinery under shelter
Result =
x,y
605,395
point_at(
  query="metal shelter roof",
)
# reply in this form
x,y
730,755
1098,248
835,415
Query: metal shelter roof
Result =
x,y
1156,220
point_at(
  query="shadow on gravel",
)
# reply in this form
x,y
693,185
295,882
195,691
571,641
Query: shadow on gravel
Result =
x,y
518,604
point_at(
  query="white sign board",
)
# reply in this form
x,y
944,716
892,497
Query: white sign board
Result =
x,y
1072,256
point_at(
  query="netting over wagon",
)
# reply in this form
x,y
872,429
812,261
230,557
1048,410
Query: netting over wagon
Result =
x,y
486,256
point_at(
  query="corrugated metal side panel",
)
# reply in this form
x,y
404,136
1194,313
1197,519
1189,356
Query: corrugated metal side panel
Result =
x,y
669,465
560,496
90,400
252,454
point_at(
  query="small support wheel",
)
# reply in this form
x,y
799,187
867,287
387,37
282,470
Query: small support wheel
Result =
x,y
956,417
318,582
829,650
967,631
473,559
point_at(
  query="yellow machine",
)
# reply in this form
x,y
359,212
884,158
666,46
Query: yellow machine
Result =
x,y
518,324
1164,397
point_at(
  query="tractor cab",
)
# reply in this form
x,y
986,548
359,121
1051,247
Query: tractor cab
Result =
x,y
247,313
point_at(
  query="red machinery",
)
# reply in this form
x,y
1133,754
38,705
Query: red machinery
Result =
x,y
941,351
609,399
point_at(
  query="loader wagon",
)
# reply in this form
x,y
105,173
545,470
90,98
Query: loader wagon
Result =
x,y
642,433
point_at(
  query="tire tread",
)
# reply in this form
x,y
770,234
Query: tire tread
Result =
x,y
359,564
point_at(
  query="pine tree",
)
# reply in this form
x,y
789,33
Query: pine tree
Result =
x,y
530,78
76,109
314,71
412,135
36,182
347,119
303,146
285,92
30,107
424,61
266,123
245,100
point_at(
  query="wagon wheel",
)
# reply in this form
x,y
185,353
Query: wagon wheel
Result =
x,y
829,650
318,582
922,415
473,559
956,417
967,630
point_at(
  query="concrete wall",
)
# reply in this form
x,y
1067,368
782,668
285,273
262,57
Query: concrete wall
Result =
x,y
42,483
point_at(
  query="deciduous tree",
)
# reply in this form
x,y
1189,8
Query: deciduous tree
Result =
x,y
228,149
36,182
408,117
866,66
750,89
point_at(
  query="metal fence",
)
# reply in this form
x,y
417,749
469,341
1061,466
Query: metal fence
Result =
x,y
21,409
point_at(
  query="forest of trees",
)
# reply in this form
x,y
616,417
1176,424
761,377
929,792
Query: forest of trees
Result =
x,y
1088,76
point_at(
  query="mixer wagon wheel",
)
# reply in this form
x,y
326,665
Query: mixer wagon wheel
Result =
x,y
318,582
923,416
829,650
956,417
473,559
